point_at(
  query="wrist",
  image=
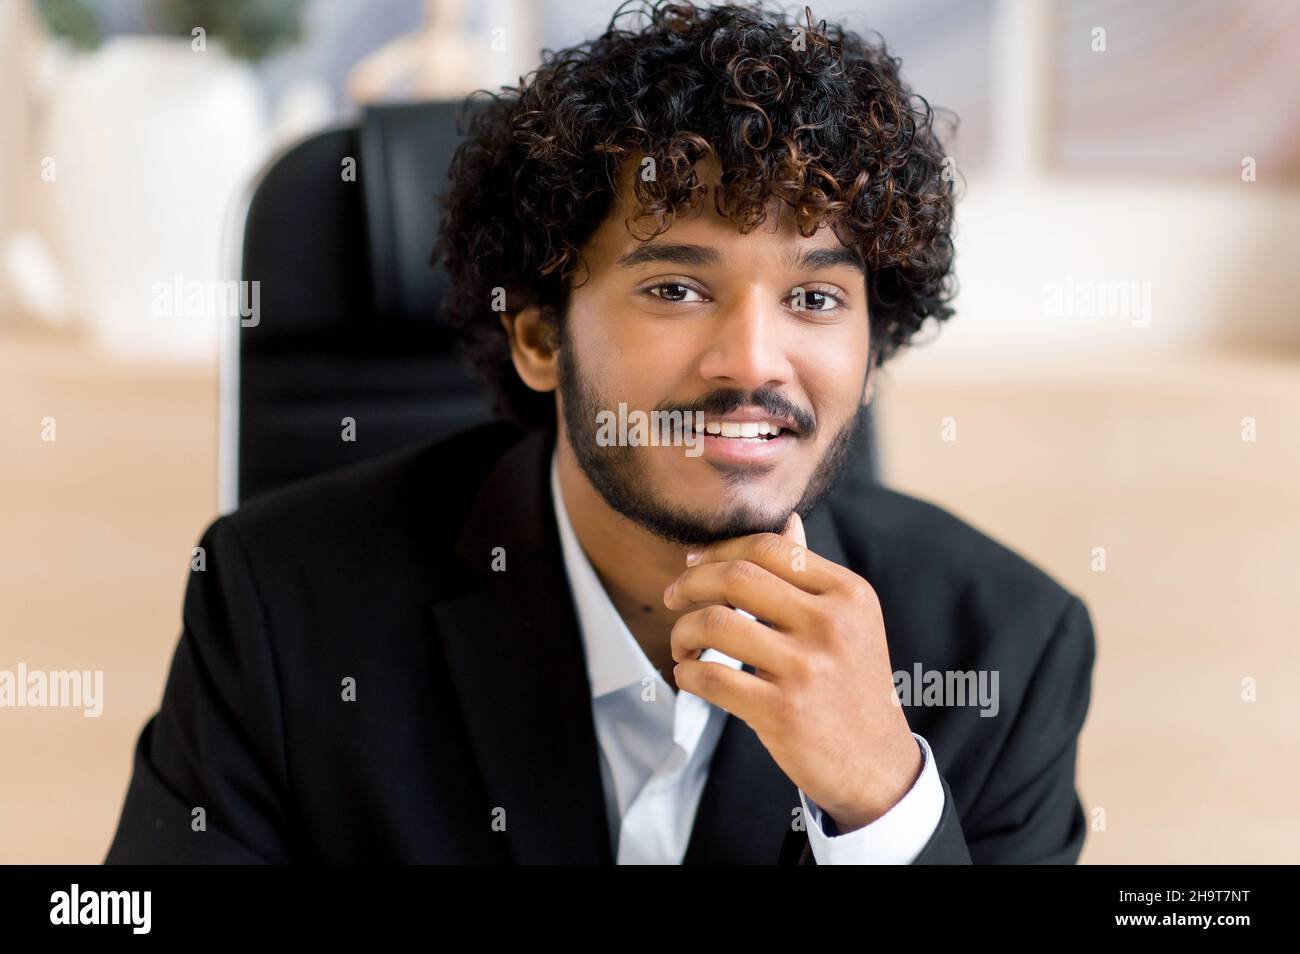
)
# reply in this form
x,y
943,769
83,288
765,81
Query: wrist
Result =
x,y
892,786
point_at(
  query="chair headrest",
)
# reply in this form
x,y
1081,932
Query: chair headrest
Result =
x,y
405,152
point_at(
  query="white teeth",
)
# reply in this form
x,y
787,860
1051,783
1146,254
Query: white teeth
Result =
x,y
740,430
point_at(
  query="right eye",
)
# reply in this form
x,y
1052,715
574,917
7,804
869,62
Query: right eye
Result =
x,y
672,292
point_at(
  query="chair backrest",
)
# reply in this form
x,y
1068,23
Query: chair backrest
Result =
x,y
338,234
347,324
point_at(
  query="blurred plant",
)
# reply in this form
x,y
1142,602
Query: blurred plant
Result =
x,y
72,20
249,29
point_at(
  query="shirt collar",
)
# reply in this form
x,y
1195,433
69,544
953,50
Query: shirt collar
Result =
x,y
615,660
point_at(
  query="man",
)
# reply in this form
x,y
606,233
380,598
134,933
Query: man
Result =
x,y
570,637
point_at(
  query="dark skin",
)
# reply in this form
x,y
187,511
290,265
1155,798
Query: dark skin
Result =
x,y
662,330
652,628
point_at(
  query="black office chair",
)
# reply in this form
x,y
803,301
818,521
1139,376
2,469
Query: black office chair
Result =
x,y
348,312
348,324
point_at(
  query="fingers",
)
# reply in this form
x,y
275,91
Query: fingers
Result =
x,y
741,583
743,695
725,630
780,555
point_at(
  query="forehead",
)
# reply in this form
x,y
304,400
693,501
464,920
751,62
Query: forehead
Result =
x,y
776,242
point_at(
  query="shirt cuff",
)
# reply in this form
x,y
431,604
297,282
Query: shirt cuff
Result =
x,y
895,838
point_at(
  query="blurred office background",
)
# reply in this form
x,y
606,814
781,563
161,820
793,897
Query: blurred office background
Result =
x,y
1118,397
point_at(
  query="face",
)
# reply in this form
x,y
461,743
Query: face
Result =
x,y
755,331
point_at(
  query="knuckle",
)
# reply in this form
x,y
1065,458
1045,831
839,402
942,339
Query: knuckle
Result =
x,y
790,707
707,676
768,545
738,573
828,620
803,669
718,617
860,591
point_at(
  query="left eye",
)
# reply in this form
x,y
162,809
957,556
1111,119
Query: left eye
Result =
x,y
816,300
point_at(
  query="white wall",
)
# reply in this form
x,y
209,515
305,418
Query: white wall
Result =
x,y
1220,260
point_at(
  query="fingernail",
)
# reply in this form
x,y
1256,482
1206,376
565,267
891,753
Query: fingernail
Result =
x,y
692,557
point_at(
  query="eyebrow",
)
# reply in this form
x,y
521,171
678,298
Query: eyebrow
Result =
x,y
681,253
817,259
676,253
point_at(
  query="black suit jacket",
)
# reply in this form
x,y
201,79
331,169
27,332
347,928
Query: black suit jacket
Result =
x,y
471,694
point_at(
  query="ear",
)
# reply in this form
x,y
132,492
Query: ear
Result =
x,y
532,348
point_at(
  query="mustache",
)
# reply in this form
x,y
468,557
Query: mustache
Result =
x,y
724,401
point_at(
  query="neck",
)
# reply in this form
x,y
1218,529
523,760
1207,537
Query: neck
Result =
x,y
634,565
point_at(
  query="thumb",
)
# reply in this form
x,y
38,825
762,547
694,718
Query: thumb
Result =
x,y
794,530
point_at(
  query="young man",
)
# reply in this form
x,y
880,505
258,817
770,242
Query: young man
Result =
x,y
576,637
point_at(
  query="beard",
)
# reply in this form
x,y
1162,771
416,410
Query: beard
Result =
x,y
620,477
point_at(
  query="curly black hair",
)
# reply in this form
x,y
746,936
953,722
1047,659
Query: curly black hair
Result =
x,y
813,115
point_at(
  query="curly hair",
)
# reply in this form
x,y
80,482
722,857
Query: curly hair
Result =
x,y
817,117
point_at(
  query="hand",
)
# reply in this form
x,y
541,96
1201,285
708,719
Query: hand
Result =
x,y
822,696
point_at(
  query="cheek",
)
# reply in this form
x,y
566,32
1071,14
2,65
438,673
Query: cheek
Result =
x,y
630,356
595,353
833,379
588,327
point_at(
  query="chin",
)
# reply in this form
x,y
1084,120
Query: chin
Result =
x,y
735,519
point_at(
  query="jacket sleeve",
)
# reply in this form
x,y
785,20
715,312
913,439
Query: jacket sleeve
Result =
x,y
1029,811
216,743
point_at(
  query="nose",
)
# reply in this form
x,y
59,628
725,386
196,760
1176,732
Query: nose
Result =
x,y
746,351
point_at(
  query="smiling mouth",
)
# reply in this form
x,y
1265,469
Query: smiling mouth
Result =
x,y
749,431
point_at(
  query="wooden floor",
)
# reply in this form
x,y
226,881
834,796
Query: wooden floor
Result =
x,y
1144,458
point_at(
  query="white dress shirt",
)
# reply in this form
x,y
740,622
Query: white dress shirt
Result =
x,y
656,744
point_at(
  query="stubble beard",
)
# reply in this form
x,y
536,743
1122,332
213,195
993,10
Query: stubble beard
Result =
x,y
619,477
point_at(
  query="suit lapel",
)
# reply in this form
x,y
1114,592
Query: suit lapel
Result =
x,y
515,654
